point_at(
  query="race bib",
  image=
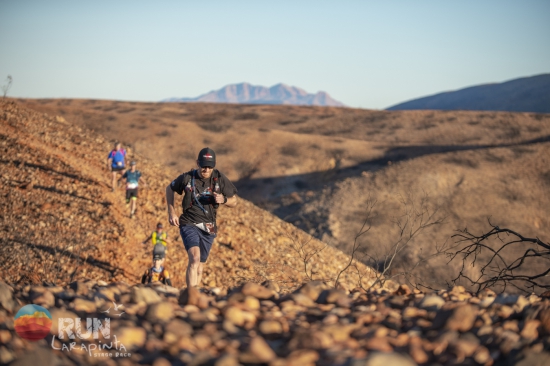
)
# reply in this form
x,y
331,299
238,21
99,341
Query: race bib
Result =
x,y
208,227
119,163
131,185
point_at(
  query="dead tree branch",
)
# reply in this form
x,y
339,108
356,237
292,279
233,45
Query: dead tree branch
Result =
x,y
415,218
502,258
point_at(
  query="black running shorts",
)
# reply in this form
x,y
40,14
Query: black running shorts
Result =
x,y
130,193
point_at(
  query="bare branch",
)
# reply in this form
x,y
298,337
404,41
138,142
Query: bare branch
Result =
x,y
502,258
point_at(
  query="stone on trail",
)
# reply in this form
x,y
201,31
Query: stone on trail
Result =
x,y
83,305
6,297
258,352
41,296
313,289
131,337
431,302
258,291
145,294
386,359
160,312
461,318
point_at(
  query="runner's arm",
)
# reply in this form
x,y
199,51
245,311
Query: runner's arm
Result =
x,y
172,215
144,182
146,240
231,201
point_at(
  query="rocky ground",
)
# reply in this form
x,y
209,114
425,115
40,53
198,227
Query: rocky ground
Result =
x,y
254,324
68,244
61,222
316,167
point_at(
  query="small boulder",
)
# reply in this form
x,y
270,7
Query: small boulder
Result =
x,y
271,327
257,291
84,305
6,297
145,294
160,312
431,302
131,337
387,359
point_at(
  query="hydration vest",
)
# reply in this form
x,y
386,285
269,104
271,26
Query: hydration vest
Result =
x,y
190,197
161,239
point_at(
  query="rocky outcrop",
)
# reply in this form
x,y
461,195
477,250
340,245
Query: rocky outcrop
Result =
x,y
255,325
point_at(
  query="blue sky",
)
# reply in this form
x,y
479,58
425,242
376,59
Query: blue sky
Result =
x,y
367,54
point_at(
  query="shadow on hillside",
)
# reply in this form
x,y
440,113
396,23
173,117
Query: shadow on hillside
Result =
x,y
58,191
263,191
48,170
105,266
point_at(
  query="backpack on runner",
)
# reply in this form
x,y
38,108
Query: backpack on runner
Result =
x,y
159,251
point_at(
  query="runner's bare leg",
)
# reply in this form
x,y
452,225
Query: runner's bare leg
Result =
x,y
193,267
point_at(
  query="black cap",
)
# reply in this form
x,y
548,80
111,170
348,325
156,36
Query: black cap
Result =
x,y
207,157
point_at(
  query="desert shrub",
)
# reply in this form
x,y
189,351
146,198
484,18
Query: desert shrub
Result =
x,y
290,149
492,158
127,110
520,151
337,153
246,169
510,132
223,150
246,116
462,161
545,177
426,124
205,118
164,133
306,130
213,127
540,116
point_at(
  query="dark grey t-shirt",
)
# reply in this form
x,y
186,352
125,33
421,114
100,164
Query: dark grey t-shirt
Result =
x,y
204,188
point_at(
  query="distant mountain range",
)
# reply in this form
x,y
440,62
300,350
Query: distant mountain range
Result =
x,y
529,94
245,93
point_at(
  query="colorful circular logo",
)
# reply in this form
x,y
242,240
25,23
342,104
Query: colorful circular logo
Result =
x,y
33,322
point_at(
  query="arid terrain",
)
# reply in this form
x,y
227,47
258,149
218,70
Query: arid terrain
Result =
x,y
69,246
318,167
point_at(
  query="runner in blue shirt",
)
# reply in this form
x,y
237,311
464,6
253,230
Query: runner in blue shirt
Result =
x,y
133,178
116,161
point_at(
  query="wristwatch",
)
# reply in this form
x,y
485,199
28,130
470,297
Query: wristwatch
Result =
x,y
224,199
